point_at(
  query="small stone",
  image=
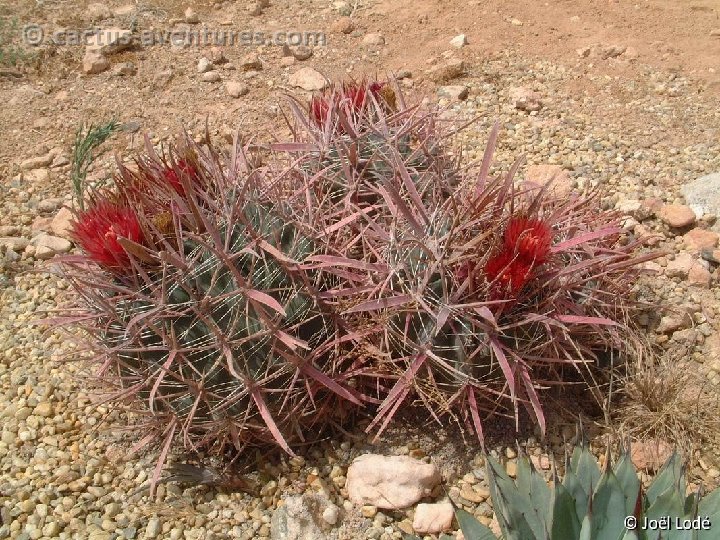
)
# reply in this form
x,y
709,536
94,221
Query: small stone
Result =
x,y
631,53
368,511
255,9
44,409
331,514
447,71
308,79
525,99
699,276
680,266
671,323
459,41
677,215
343,25
612,51
287,61
454,93
559,179
432,518
373,40
61,224
583,52
94,63
154,527
703,195
124,69
469,494
191,17
211,76
109,41
699,239
516,22
37,162
251,62
343,8
511,468
715,32
236,89
302,52
204,65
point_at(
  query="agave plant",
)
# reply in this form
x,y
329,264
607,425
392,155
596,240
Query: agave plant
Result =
x,y
594,504
199,302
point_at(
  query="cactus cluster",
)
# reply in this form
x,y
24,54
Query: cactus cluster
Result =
x,y
591,503
261,294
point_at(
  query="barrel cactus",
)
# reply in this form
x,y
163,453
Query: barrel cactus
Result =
x,y
482,291
201,302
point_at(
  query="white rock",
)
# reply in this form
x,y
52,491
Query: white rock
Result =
x,y
331,514
459,41
211,76
308,79
392,482
559,179
373,40
16,243
204,65
299,518
433,518
525,100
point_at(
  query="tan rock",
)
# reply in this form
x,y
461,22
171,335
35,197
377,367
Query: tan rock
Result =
x,y
650,454
308,79
433,518
446,71
16,243
61,224
699,276
94,63
37,162
236,89
699,239
47,246
525,99
109,41
373,40
561,184
251,62
677,215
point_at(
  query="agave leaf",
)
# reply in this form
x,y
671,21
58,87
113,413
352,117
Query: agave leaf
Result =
x,y
669,503
710,507
534,488
577,493
509,504
607,509
629,482
565,521
670,476
471,527
586,529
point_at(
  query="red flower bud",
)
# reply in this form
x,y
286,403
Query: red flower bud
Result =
x,y
530,239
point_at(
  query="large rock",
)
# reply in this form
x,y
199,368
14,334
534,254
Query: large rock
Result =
x,y
703,195
650,454
107,41
300,518
559,179
446,71
392,482
308,79
61,224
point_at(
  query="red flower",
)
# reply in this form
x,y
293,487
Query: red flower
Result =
x,y
508,272
354,93
97,231
170,175
529,238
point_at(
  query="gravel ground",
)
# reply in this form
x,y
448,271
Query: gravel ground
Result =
x,y
65,468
